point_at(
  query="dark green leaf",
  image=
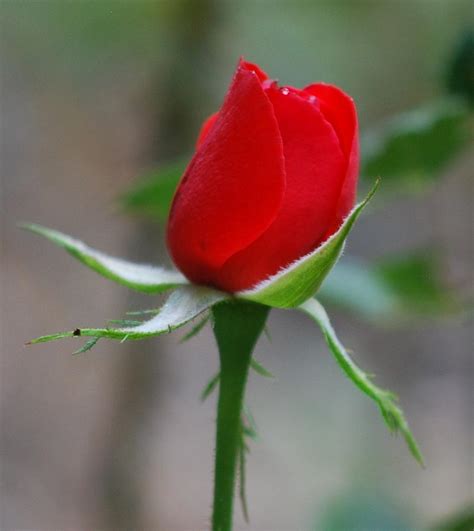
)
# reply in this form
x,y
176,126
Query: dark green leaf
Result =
x,y
414,281
461,68
463,520
395,288
412,148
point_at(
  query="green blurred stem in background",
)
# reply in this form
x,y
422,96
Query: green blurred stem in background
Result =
x,y
237,327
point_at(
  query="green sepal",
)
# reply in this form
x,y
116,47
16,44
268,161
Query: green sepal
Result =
x,y
386,400
182,306
300,280
140,277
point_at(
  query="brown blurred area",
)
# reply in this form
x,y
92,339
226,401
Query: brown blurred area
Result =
x,y
93,94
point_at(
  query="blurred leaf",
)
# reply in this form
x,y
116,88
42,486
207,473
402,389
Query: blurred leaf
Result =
x,y
412,148
182,306
414,281
363,511
151,196
394,289
461,69
354,286
300,280
141,277
460,521
386,400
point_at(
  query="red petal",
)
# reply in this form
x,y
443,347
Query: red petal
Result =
x,y
234,185
339,109
315,169
207,125
205,128
262,76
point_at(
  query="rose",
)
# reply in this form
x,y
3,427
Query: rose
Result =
x,y
273,176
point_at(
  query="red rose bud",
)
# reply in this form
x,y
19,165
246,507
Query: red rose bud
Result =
x,y
273,176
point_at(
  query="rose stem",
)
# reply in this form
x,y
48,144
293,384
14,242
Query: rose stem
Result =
x,y
237,326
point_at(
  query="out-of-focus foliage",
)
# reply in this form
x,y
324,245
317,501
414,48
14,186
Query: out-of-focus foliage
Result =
x,y
461,70
414,280
151,196
413,148
410,150
461,521
397,288
363,511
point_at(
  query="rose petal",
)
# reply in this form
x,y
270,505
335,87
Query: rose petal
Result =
x,y
205,129
339,109
234,185
315,168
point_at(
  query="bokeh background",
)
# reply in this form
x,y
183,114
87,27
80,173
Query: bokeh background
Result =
x,y
95,94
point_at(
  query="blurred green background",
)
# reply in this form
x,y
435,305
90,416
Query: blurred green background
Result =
x,y
95,96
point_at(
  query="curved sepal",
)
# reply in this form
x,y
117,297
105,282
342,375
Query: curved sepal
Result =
x,y
182,306
386,400
140,277
301,279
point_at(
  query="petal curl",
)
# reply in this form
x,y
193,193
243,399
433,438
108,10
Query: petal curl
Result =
x,y
234,185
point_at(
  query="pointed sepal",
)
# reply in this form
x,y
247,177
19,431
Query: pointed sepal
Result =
x,y
140,277
182,306
300,280
386,400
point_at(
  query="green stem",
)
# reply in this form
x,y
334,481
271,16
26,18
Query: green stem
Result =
x,y
237,326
